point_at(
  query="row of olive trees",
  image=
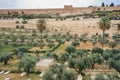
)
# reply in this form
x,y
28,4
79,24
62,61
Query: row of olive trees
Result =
x,y
42,26
27,61
6,56
80,59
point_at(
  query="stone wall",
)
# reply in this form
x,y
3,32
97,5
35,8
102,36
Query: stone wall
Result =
x,y
106,8
66,9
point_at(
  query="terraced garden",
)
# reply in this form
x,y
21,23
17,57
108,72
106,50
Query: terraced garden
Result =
x,y
72,54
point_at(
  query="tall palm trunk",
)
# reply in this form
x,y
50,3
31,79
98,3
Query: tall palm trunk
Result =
x,y
103,38
41,37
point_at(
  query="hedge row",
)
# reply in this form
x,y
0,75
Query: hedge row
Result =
x,y
51,50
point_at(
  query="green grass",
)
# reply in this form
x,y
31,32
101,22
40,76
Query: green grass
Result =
x,y
10,48
6,48
86,78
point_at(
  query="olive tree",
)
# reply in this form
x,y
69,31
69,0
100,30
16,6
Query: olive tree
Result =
x,y
80,64
64,57
75,43
97,58
5,57
58,72
113,44
114,64
70,49
48,75
27,63
97,50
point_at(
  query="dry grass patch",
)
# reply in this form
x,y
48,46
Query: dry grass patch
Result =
x,y
16,76
62,47
44,48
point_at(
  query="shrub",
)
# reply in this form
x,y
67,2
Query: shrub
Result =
x,y
17,26
24,22
62,41
97,50
41,44
106,35
78,18
51,44
37,72
113,44
116,37
61,19
68,38
22,27
75,43
70,49
56,19
17,22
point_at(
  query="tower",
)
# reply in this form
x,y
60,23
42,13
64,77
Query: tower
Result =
x,y
68,9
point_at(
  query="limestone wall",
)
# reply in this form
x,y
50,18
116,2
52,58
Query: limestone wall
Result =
x,y
66,9
107,8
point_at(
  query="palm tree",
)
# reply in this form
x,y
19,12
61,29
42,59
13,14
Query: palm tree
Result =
x,y
41,26
104,24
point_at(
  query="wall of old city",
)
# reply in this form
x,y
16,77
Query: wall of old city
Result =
x,y
66,9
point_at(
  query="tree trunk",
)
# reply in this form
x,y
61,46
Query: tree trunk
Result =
x,y
93,66
79,71
27,74
76,70
37,54
103,38
41,36
5,62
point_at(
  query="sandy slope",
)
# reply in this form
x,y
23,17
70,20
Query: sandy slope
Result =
x,y
89,26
